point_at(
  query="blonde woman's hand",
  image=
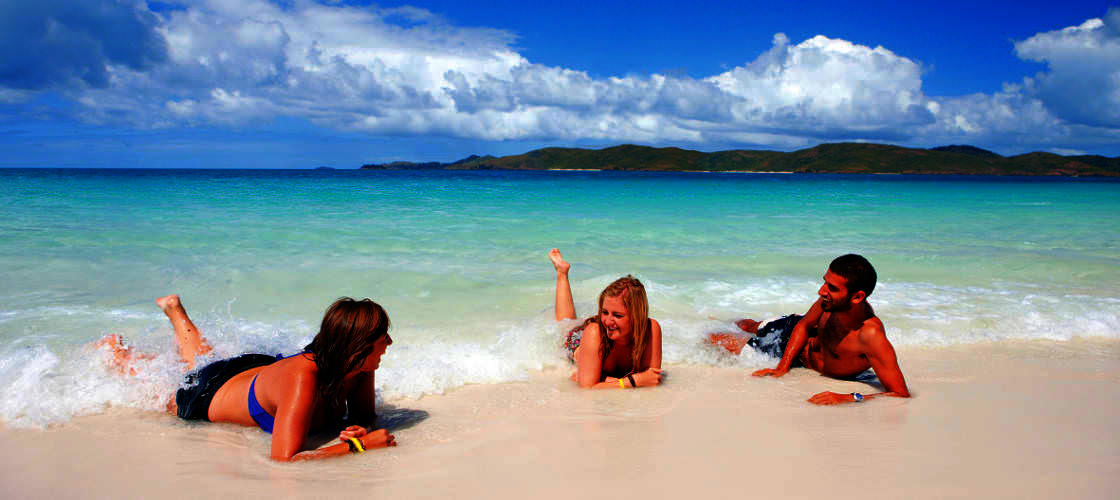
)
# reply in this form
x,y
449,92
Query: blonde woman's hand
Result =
x,y
650,377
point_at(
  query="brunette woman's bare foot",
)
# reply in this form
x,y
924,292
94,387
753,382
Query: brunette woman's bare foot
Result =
x,y
168,302
122,353
190,340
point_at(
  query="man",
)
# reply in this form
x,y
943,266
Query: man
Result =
x,y
839,337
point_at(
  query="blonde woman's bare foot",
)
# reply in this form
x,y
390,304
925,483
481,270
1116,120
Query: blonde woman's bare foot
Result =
x,y
558,261
168,302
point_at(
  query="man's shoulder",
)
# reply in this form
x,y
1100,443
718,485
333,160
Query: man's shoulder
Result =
x,y
872,331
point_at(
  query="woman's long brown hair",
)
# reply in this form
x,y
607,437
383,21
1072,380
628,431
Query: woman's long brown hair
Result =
x,y
633,295
345,339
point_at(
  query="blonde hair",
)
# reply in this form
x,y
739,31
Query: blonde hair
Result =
x,y
633,295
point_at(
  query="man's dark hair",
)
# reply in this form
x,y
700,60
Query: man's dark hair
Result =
x,y
857,271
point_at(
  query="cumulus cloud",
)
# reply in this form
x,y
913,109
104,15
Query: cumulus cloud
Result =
x,y
823,84
1083,81
408,71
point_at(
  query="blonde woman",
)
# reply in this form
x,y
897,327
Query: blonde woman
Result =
x,y
620,346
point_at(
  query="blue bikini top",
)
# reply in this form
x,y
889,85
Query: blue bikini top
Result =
x,y
261,417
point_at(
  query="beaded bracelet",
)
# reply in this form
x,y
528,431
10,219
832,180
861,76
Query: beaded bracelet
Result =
x,y
355,445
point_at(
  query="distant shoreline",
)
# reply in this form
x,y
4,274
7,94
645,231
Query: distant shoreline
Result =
x,y
741,172
840,158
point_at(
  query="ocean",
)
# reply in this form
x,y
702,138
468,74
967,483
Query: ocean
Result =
x,y
459,261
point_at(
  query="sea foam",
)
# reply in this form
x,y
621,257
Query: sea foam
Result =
x,y
44,384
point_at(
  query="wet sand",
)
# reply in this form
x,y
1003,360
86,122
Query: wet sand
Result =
x,y
1022,420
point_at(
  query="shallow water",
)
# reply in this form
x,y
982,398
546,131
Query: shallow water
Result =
x,y
458,259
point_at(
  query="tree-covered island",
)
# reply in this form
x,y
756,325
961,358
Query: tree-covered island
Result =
x,y
846,158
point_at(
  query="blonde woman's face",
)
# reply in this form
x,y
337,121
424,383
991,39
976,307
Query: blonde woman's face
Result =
x,y
615,318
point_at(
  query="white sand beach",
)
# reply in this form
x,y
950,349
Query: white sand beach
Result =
x,y
1003,420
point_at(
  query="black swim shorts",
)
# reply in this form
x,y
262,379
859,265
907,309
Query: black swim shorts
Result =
x,y
773,337
199,387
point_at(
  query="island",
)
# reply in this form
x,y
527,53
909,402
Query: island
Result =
x,y
839,158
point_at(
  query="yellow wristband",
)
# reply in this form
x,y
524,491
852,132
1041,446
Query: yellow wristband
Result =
x,y
356,446
620,384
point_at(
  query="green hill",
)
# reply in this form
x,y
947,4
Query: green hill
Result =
x,y
854,158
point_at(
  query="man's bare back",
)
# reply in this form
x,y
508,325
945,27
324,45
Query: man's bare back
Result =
x,y
840,336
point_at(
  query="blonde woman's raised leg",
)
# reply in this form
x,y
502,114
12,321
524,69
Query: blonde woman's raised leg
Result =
x,y
565,308
191,343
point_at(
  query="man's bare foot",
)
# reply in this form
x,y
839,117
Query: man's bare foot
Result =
x,y
733,342
168,302
558,261
748,325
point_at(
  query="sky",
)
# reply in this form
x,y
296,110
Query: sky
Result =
x,y
303,83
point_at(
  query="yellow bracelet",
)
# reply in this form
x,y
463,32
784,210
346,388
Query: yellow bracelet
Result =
x,y
620,384
356,446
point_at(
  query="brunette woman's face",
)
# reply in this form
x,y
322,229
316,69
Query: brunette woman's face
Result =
x,y
615,318
373,361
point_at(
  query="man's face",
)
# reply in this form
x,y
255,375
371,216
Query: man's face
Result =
x,y
834,293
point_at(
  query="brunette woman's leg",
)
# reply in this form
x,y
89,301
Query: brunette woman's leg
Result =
x,y
191,343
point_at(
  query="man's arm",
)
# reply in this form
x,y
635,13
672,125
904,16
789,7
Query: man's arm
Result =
x,y
797,340
880,353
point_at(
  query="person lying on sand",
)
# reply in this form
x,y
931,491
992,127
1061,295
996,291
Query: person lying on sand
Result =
x,y
839,337
286,396
620,346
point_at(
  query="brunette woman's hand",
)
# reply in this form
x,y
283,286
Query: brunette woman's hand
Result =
x,y
354,431
379,438
648,378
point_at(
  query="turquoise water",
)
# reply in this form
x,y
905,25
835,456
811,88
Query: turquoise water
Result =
x,y
458,259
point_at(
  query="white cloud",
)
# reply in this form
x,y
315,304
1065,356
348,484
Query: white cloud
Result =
x,y
407,71
827,84
1083,82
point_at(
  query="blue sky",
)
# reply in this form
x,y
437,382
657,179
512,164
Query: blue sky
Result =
x,y
298,84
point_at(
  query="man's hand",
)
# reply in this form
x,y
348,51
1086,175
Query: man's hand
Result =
x,y
770,372
831,398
